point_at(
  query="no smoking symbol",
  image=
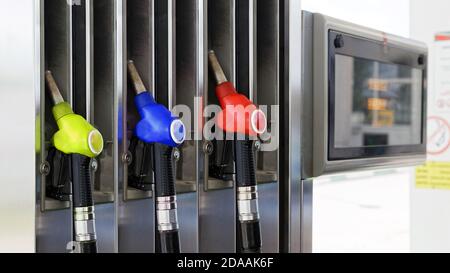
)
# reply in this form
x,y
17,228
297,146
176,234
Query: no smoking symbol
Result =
x,y
439,136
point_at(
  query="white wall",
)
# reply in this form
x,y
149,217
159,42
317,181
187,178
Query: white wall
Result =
x,y
388,15
430,209
17,138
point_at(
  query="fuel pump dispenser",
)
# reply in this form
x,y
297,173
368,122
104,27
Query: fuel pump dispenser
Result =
x,y
78,142
242,118
160,132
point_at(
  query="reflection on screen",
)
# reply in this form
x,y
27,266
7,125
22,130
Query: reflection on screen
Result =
x,y
376,104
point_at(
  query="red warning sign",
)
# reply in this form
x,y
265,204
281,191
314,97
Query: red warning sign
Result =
x,y
438,136
442,37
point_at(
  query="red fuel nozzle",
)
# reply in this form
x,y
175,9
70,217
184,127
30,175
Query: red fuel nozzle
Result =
x,y
239,114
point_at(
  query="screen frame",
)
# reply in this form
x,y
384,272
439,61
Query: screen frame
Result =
x,y
380,51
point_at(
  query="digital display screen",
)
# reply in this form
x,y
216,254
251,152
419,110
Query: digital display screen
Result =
x,y
376,103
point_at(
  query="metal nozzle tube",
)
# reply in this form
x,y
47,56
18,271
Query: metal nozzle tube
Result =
x,y
53,88
216,68
135,78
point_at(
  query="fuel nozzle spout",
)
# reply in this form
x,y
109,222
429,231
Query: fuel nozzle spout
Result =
x,y
138,84
239,114
53,88
216,68
157,124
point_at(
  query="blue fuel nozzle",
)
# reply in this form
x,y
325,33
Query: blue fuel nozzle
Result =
x,y
157,124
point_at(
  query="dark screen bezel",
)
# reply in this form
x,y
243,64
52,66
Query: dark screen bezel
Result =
x,y
377,51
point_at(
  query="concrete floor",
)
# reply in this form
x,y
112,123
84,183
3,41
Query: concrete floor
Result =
x,y
363,212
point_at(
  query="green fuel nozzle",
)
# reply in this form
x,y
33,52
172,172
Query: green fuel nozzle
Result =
x,y
81,141
75,135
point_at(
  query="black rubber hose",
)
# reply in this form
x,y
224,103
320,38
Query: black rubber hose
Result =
x,y
166,241
89,247
164,172
249,237
248,232
245,163
81,181
82,192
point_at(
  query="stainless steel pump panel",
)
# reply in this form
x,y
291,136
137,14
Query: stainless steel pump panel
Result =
x,y
369,99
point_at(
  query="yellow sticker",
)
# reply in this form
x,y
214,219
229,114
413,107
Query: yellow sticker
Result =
x,y
433,175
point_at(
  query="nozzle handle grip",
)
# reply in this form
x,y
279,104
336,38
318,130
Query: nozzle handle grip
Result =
x,y
249,237
89,247
140,172
163,169
81,181
168,242
245,162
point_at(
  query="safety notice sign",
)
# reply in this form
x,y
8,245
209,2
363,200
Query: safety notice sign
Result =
x,y
441,90
436,173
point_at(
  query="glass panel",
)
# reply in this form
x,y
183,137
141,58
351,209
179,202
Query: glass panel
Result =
x,y
377,104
